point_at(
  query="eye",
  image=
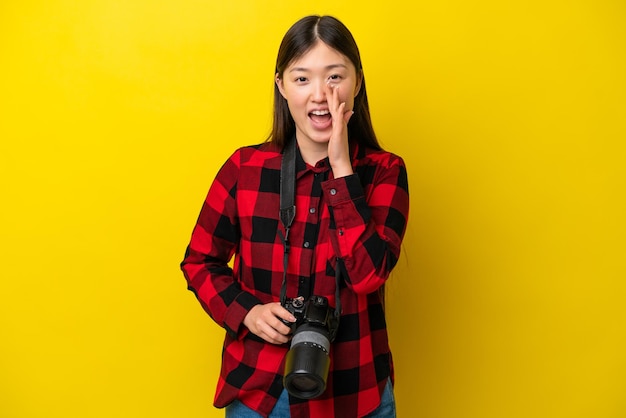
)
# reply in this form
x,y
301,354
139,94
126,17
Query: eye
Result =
x,y
301,80
334,77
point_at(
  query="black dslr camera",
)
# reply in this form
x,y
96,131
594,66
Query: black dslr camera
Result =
x,y
308,361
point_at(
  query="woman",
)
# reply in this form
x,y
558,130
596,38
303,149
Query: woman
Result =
x,y
351,201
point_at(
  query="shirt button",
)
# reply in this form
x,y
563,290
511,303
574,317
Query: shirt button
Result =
x,y
306,244
312,210
341,232
333,192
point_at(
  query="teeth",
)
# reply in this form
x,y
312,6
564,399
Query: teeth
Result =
x,y
320,112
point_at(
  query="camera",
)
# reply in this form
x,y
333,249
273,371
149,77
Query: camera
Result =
x,y
308,360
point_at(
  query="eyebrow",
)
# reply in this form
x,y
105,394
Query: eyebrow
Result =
x,y
328,67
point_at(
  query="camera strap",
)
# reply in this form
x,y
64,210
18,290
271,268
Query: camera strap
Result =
x,y
287,205
288,214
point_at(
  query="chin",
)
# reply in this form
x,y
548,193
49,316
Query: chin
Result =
x,y
320,137
321,141
324,139
316,136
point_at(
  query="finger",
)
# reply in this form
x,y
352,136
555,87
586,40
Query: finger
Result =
x,y
347,115
271,320
269,334
333,94
340,108
278,322
263,323
279,311
276,325
340,112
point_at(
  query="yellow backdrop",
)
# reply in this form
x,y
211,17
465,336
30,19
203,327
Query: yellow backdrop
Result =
x,y
509,300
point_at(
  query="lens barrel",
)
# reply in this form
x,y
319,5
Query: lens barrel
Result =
x,y
307,363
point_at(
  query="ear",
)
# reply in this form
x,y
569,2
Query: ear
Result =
x,y
280,85
359,82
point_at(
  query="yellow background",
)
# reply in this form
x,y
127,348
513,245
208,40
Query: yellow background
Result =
x,y
509,300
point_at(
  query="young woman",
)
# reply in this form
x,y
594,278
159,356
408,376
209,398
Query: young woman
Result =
x,y
352,204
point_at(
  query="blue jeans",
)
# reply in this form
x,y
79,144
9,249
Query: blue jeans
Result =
x,y
386,409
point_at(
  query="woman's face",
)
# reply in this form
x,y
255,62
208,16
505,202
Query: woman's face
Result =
x,y
306,85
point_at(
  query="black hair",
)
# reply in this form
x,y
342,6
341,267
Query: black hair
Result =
x,y
298,40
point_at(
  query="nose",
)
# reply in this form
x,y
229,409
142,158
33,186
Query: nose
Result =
x,y
318,94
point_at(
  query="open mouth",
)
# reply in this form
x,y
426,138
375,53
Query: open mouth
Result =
x,y
320,116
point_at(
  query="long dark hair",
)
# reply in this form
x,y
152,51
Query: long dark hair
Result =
x,y
298,40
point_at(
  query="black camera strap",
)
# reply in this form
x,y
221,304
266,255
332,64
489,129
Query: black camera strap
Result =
x,y
287,205
287,215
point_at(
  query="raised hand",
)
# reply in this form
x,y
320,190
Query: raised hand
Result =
x,y
338,148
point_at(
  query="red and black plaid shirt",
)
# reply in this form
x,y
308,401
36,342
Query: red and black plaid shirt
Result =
x,y
360,218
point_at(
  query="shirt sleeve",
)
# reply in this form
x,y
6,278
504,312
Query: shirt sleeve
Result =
x,y
213,242
369,228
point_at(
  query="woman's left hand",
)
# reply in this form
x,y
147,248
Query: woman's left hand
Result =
x,y
338,148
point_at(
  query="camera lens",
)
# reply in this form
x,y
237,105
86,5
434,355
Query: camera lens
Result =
x,y
304,383
307,362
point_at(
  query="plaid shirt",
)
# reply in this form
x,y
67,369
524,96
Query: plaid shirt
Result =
x,y
360,218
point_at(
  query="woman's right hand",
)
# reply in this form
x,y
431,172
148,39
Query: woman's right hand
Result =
x,y
264,322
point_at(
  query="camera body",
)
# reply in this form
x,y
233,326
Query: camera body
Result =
x,y
308,361
315,312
